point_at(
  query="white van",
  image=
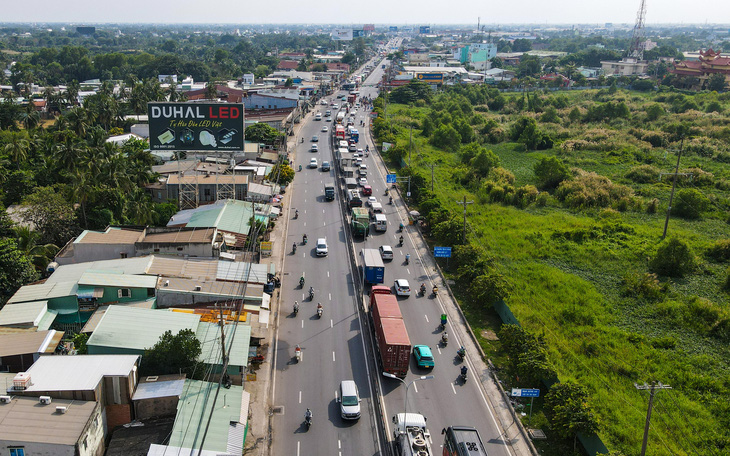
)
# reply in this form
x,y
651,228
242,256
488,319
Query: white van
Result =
x,y
381,223
318,116
349,400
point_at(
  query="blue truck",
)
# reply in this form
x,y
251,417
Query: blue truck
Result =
x,y
372,265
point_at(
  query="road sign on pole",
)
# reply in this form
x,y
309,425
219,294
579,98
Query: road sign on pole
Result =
x,y
525,392
391,178
442,252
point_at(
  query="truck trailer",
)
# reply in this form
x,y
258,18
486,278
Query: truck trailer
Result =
x,y
373,267
391,336
410,435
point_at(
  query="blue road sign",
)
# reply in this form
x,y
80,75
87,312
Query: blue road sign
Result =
x,y
442,252
390,178
525,392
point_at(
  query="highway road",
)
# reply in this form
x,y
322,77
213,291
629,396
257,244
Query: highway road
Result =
x,y
333,347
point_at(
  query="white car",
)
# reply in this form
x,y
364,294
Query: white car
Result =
x,y
322,247
360,153
325,128
323,102
402,287
315,148
328,119
386,252
349,400
313,163
371,200
362,182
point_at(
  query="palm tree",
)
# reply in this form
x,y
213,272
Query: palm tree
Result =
x,y
30,117
72,92
211,92
17,146
39,255
80,191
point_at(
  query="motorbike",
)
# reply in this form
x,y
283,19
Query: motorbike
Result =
x,y
308,419
408,259
464,370
461,353
294,248
390,200
423,289
298,353
320,311
302,139
296,215
311,293
400,228
445,339
434,291
301,282
300,167
296,307
400,242
304,239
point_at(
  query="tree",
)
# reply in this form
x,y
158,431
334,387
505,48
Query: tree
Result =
x,y
172,354
50,214
690,204
16,146
566,405
449,232
262,133
483,162
550,172
283,174
80,341
716,82
446,137
526,131
673,258
15,269
28,243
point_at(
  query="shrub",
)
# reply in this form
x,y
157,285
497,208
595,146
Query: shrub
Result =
x,y
690,203
701,178
550,116
526,131
719,251
644,286
591,190
500,175
653,206
643,174
654,111
673,258
446,137
550,172
726,283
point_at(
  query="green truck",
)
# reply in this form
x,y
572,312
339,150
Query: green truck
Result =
x,y
360,221
329,192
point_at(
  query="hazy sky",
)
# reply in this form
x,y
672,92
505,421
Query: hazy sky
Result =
x,y
372,11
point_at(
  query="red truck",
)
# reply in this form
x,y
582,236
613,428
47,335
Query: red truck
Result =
x,y
391,336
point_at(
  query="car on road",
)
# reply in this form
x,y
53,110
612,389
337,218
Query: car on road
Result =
x,y
349,400
323,102
362,182
372,200
328,113
423,355
402,287
318,116
359,153
325,128
315,138
367,190
328,119
313,163
386,252
314,148
325,166
335,105
322,247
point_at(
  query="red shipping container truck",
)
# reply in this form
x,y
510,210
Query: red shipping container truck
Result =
x,y
394,346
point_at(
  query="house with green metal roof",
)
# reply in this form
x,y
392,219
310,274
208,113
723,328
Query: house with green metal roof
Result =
x,y
228,425
231,218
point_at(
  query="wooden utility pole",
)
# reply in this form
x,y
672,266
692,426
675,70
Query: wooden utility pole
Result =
x,y
652,390
465,203
674,184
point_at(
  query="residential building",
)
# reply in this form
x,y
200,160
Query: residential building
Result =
x,y
33,315
19,350
207,185
59,427
625,67
157,396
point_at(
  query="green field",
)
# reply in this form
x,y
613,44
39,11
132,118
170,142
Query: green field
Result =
x,y
577,275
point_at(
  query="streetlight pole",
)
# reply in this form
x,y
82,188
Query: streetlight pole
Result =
x,y
408,385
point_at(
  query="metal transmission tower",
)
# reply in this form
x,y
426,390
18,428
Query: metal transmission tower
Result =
x,y
637,39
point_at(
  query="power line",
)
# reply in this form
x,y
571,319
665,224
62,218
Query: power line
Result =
x,y
652,390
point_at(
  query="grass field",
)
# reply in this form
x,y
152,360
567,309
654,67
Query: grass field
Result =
x,y
568,268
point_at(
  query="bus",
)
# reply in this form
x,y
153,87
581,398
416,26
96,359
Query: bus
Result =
x,y
340,132
462,441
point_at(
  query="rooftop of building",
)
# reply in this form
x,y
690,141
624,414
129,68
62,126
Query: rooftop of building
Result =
x,y
112,235
77,372
213,179
126,266
30,342
25,420
23,314
43,291
228,215
181,236
95,318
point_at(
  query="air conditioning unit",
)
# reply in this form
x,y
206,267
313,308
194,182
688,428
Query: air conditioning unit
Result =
x,y
61,409
197,288
167,283
45,400
5,399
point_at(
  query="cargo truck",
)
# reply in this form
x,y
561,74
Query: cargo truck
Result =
x,y
373,267
360,221
391,337
329,192
410,435
340,117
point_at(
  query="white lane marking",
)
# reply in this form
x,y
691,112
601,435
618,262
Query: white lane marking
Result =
x,y
305,223
333,357
332,323
323,211
298,442
439,349
328,273
302,323
408,271
339,443
426,317
300,397
329,295
324,223
415,387
304,255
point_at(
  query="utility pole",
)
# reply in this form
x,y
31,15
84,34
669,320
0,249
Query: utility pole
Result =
x,y
674,184
432,167
652,389
410,149
465,202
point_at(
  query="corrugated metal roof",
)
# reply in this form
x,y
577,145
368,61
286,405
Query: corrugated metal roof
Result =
x,y
23,314
44,291
95,318
111,236
242,271
151,390
192,405
226,290
24,420
169,450
48,318
117,280
209,336
228,215
136,329
180,267
199,235
29,342
78,372
73,272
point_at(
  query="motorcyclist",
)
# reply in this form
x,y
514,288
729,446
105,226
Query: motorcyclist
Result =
x,y
294,247
390,201
296,213
464,370
304,238
435,290
400,227
400,241
301,279
445,338
461,352
296,307
443,321
300,167
302,139
423,288
408,258
311,292
308,416
320,309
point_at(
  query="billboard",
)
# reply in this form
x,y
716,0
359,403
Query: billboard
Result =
x,y
195,126
341,35
369,27
393,28
430,77
424,29
358,33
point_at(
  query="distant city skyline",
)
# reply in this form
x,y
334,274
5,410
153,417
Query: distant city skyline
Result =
x,y
424,12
